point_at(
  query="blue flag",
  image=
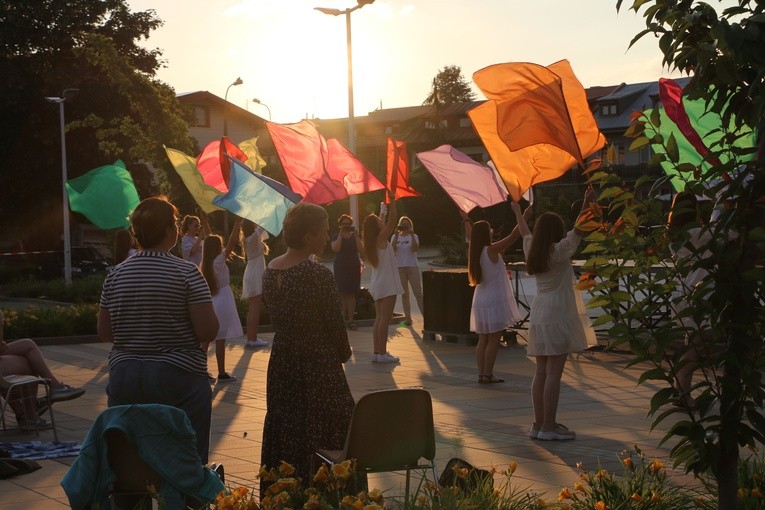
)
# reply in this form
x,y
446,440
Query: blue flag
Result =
x,y
257,198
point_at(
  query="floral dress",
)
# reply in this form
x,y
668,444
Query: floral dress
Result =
x,y
309,403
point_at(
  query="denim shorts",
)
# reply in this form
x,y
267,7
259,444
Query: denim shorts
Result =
x,y
156,382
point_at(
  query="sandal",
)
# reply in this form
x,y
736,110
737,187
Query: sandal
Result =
x,y
491,379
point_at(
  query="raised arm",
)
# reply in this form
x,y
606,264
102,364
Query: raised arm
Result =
x,y
589,198
522,226
233,239
507,241
468,224
390,224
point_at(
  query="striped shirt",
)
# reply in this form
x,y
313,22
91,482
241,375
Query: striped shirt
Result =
x,y
148,298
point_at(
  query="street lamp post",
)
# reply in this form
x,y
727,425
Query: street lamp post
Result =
x,y
66,94
354,202
258,101
225,106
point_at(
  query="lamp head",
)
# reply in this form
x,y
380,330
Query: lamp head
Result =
x,y
331,12
238,81
69,94
255,100
362,3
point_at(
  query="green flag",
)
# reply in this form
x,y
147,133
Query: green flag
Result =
x,y
254,160
106,195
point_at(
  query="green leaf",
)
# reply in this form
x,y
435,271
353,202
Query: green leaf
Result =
x,y
672,150
655,117
638,142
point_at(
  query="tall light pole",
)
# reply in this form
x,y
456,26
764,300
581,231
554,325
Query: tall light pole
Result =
x,y
66,94
354,202
225,106
258,101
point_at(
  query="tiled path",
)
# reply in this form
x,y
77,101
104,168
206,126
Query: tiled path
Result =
x,y
483,424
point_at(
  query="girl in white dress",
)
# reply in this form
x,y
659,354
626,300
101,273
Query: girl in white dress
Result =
x,y
385,285
494,308
556,325
194,231
252,282
215,271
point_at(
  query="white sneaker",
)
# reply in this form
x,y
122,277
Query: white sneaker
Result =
x,y
375,358
387,358
559,433
252,344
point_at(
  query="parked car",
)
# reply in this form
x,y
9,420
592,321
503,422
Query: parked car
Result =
x,y
48,265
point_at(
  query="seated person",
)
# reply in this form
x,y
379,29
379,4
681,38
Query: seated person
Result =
x,y
23,357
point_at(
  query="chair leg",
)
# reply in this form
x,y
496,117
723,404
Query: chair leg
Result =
x,y
48,394
406,494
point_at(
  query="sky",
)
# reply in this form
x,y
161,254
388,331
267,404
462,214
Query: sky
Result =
x,y
294,58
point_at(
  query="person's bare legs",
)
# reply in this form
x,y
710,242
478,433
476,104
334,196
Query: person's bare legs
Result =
x,y
19,365
254,304
32,358
480,353
383,314
403,275
348,302
537,391
490,355
551,391
220,355
415,281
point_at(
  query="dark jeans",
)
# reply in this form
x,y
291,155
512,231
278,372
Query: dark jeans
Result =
x,y
155,382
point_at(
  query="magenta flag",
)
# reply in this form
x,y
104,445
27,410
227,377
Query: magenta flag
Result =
x,y
466,181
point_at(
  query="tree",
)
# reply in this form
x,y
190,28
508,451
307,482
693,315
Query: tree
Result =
x,y
121,111
449,87
639,283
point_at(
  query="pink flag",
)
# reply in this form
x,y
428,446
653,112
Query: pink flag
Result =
x,y
213,163
321,171
466,181
344,167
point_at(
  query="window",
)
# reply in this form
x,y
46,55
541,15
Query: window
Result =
x,y
608,110
201,116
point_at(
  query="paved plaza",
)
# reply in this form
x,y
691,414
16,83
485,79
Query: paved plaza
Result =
x,y
485,424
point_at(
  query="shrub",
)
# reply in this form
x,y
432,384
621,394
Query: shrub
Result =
x,y
453,250
81,290
51,321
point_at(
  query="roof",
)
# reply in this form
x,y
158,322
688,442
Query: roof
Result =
x,y
203,96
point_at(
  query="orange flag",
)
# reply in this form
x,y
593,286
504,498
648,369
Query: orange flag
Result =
x,y
537,123
398,171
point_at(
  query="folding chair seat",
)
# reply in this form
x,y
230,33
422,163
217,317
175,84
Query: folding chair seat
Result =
x,y
24,389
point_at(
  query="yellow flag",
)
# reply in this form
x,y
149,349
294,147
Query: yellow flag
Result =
x,y
186,166
254,160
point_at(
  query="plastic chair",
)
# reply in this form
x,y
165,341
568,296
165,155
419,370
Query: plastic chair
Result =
x,y
20,388
390,430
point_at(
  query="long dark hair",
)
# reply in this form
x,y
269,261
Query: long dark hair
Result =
x,y
548,230
369,235
212,247
480,237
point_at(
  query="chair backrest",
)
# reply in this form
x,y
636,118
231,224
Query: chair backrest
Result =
x,y
392,429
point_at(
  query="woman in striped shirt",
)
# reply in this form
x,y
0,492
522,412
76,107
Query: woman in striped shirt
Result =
x,y
157,310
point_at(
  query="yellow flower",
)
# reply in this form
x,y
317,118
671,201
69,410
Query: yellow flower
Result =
x,y
655,497
628,463
637,498
579,486
266,475
376,495
655,466
342,470
757,492
286,469
741,493
461,473
322,474
313,503
602,474
565,493
601,505
512,467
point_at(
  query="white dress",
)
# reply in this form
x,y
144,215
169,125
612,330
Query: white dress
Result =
x,y
494,308
558,323
385,279
252,281
187,242
230,326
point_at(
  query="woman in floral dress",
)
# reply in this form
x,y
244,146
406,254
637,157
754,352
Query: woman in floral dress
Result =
x,y
309,403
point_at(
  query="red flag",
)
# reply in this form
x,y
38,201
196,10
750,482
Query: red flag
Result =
x,y
213,163
671,96
343,166
398,171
